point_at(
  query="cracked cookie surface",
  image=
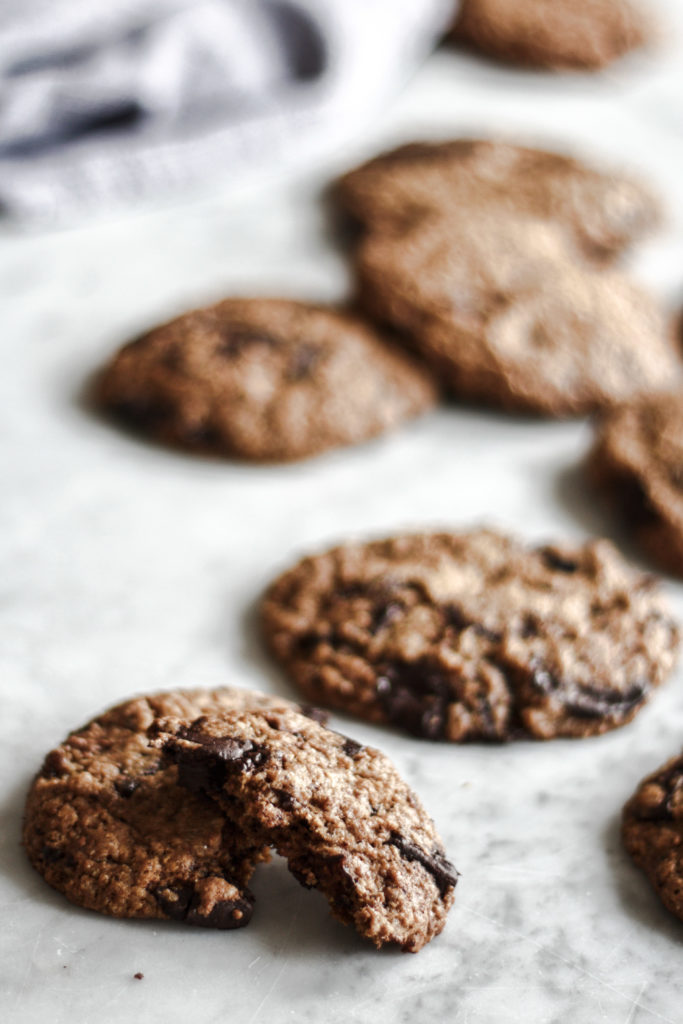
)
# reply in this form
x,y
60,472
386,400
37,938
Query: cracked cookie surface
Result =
x,y
107,824
603,213
263,379
652,831
637,460
337,810
473,636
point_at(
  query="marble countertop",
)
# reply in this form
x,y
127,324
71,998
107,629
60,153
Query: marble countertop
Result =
x,y
128,568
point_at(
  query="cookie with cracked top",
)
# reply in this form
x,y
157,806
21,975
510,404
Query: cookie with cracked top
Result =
x,y
264,379
337,810
107,824
637,460
652,831
556,34
506,314
473,636
602,212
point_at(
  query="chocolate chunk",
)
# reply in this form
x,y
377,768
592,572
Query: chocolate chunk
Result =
x,y
307,642
54,854
351,747
415,696
529,627
441,869
284,799
316,714
556,561
206,767
591,702
227,914
181,903
175,901
126,786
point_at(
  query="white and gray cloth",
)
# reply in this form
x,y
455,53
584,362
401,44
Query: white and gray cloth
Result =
x,y
104,104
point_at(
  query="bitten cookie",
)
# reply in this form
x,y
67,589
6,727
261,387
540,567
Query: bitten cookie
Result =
x,y
554,34
107,824
473,636
637,460
263,379
603,213
652,831
338,811
506,314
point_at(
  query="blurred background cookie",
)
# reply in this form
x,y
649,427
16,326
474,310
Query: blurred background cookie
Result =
x,y
556,34
637,461
507,313
604,211
264,379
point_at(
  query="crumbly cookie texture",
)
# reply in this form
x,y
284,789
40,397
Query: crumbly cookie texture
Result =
x,y
557,34
637,460
338,811
507,315
603,213
652,831
473,636
107,824
264,379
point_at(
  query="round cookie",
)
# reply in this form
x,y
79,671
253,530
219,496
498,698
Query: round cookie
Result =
x,y
338,811
637,460
602,213
473,636
505,314
555,34
107,824
652,831
263,379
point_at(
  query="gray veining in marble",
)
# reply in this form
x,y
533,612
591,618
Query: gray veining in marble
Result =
x,y
128,568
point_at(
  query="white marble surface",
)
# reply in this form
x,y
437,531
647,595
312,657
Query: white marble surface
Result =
x,y
127,568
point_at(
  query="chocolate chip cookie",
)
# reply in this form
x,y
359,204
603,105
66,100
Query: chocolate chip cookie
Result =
x,y
652,831
637,460
263,379
338,811
554,34
506,314
602,212
473,636
107,824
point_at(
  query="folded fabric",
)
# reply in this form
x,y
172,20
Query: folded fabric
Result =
x,y
105,104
